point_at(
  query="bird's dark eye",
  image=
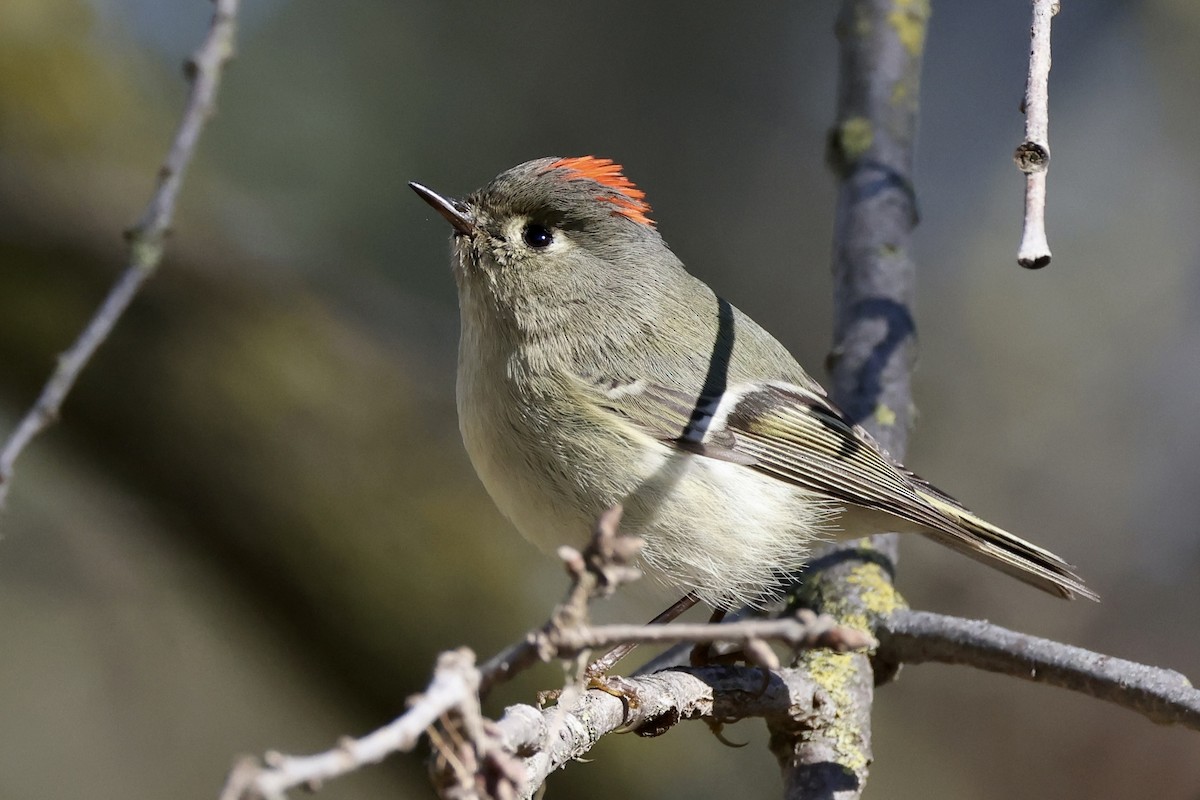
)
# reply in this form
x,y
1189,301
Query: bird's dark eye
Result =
x,y
537,236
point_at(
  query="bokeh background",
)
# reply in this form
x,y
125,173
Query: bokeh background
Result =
x,y
255,526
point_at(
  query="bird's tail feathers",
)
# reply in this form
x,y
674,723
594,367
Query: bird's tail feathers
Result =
x,y
1011,554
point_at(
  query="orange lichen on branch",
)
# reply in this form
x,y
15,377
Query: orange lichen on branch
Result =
x,y
627,197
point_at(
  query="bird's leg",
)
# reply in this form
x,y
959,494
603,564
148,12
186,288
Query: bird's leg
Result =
x,y
703,653
598,668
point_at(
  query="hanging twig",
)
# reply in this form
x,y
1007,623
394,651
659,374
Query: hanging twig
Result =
x,y
1033,154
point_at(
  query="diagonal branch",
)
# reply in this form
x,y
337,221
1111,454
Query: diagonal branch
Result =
x,y
507,756
596,572
793,699
551,738
606,564
512,757
146,238
1161,695
455,683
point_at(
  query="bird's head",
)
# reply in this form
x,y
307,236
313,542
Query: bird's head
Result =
x,y
554,231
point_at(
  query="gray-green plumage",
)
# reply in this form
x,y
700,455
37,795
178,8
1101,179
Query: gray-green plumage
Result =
x,y
593,369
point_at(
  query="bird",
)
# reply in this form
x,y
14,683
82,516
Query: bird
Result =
x,y
594,369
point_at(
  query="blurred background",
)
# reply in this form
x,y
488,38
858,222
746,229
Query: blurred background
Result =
x,y
255,526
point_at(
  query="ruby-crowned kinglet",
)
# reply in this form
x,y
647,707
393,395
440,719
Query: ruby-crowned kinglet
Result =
x,y
594,370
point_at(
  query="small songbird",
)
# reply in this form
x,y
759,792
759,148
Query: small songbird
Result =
x,y
594,370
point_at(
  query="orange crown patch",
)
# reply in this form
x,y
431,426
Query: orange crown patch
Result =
x,y
629,200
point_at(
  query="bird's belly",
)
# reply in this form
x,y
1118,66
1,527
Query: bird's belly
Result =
x,y
721,529
538,469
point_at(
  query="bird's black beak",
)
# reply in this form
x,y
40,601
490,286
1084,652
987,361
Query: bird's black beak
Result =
x,y
455,211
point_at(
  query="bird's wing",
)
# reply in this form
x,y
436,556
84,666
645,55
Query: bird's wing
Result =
x,y
786,431
796,435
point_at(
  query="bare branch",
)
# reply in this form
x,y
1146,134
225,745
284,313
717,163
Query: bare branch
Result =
x,y
477,758
472,757
146,238
805,630
1033,154
871,149
1161,695
606,662
481,751
601,568
455,684
596,572
553,737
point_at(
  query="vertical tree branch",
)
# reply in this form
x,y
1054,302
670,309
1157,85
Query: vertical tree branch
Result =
x,y
871,151
145,238
1033,154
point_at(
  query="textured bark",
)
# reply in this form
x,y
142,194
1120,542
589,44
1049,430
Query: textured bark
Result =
x,y
550,738
1161,695
871,150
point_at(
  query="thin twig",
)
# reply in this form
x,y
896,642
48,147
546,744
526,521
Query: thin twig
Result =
x,y
602,567
596,572
606,662
1033,154
1161,695
470,752
146,238
515,755
806,630
455,683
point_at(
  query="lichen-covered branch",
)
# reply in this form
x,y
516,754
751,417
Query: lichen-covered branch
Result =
x,y
801,700
871,149
553,737
146,238
1033,154
512,757
478,758
1161,695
